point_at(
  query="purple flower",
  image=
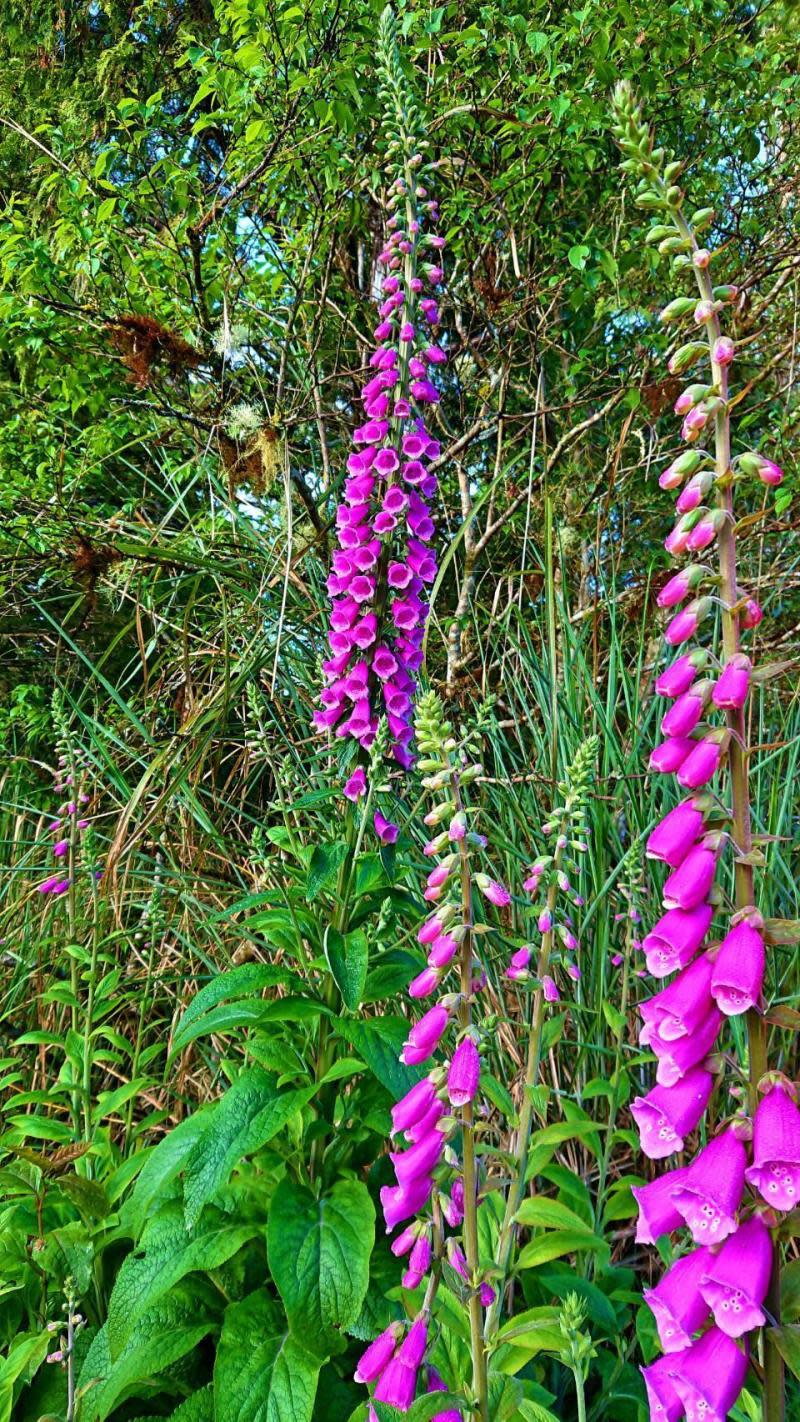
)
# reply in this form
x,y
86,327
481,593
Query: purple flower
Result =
x,y
386,831
424,1037
418,1160
356,785
550,989
678,677
688,885
657,1212
495,892
668,1114
735,1282
436,1384
379,1353
701,764
676,1303
730,691
738,972
674,940
419,1262
677,1056
674,836
679,1009
464,1073
668,757
664,1402
685,712
413,1106
711,1192
397,1386
775,1172
709,1376
400,1202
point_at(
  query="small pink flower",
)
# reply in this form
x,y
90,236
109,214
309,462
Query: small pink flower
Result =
x,y
492,890
549,989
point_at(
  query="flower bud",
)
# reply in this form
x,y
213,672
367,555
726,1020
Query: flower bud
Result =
x,y
752,614
723,351
685,356
681,306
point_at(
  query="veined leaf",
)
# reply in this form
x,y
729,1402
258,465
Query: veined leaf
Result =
x,y
556,1243
261,1373
319,1251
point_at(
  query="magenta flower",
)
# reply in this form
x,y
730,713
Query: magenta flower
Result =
x,y
424,983
674,836
668,757
711,1193
723,350
679,1009
678,677
550,989
495,892
379,1353
425,1035
436,1384
752,614
356,785
686,711
56,884
674,940
775,1172
668,1114
677,1056
464,1073
657,1212
386,831
414,1105
397,1385
736,1280
419,1262
400,1202
688,885
702,763
664,1402
730,691
709,1376
420,1159
676,1302
685,623
443,950
738,972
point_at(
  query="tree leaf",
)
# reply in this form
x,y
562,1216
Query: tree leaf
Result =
x,y
378,1042
249,1114
261,1373
319,1251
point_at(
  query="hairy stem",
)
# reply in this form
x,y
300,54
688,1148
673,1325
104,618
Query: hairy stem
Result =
x,y
773,1392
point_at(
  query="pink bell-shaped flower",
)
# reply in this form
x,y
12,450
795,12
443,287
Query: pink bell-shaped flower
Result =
x,y
668,1114
464,1073
674,836
676,1302
688,885
400,1202
678,1010
679,675
677,1056
735,1281
425,1035
413,1106
738,972
378,1355
398,1383
657,1213
674,940
731,688
702,763
775,1172
711,1193
664,1402
709,1376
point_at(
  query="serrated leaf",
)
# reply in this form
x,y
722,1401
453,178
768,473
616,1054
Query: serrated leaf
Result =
x,y
247,1117
197,1408
164,1334
163,1163
261,1373
319,1251
348,960
167,1253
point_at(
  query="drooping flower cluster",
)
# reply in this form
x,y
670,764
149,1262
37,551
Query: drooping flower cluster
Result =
x,y
384,561
435,1190
548,882
725,1280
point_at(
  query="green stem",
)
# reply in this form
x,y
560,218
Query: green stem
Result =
x,y
773,1392
480,1383
523,1136
580,1394
613,1107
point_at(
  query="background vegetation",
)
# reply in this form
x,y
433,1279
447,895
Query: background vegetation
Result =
x,y
190,218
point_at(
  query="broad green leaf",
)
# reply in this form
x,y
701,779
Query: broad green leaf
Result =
x,y
348,959
556,1243
319,1251
378,1041
249,1114
166,1253
162,1164
164,1334
787,1342
24,1356
197,1408
262,1373
248,980
326,862
230,1015
542,1210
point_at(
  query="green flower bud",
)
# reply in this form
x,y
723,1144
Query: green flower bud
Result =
x,y
681,306
703,218
674,244
685,356
659,232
